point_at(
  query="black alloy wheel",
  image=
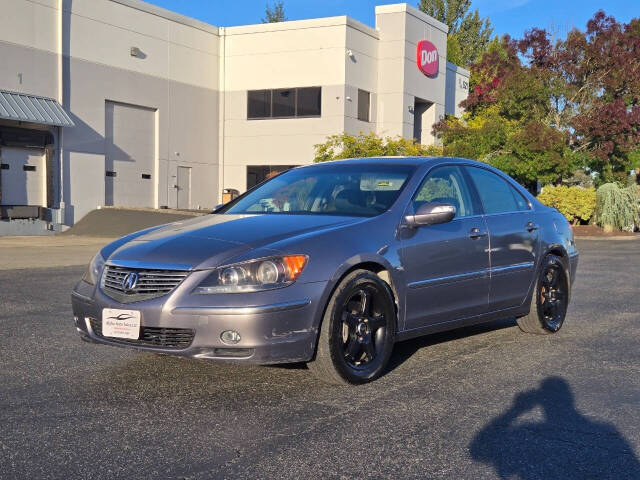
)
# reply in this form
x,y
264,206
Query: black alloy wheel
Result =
x,y
358,331
363,327
550,298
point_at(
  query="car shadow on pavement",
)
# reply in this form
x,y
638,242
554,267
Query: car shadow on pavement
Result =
x,y
403,351
543,436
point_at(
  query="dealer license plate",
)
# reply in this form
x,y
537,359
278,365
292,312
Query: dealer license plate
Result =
x,y
120,323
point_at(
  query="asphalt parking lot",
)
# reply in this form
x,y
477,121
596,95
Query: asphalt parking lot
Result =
x,y
478,403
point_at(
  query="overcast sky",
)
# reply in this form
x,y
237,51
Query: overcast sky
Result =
x,y
507,16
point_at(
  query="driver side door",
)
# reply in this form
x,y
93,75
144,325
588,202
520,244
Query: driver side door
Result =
x,y
446,265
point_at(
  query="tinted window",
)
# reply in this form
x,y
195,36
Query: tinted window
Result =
x,y
259,104
259,173
495,193
522,203
309,101
364,102
446,185
349,190
284,103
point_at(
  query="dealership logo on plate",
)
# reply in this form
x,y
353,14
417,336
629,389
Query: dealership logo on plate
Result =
x,y
427,58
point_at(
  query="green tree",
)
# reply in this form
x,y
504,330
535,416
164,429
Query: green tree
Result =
x,y
472,32
370,145
275,13
540,110
454,52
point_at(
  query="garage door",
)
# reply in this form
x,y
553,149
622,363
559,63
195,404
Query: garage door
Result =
x,y
130,151
22,176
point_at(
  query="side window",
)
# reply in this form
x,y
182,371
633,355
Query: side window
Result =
x,y
446,185
523,204
496,195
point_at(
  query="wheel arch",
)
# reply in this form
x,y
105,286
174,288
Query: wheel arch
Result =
x,y
378,265
558,250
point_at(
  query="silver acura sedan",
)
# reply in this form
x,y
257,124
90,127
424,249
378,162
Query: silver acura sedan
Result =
x,y
333,263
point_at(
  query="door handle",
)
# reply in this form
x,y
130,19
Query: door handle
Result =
x,y
530,226
476,233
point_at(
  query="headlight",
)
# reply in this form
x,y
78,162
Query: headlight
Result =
x,y
254,276
95,269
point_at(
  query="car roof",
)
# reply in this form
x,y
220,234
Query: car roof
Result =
x,y
408,161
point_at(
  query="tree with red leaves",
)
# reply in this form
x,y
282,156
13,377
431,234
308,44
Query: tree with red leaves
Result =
x,y
541,109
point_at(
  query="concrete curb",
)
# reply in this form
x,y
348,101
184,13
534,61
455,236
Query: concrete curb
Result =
x,y
616,238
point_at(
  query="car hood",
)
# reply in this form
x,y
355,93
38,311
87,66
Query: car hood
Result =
x,y
211,240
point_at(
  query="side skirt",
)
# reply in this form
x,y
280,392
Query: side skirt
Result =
x,y
463,322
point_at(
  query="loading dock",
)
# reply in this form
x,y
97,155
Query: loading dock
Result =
x,y
23,179
130,155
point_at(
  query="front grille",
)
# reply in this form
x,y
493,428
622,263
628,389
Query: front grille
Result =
x,y
157,337
150,283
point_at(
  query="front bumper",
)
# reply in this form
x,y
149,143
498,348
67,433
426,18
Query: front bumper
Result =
x,y
573,265
279,326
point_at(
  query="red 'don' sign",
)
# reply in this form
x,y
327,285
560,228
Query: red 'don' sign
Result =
x,y
427,58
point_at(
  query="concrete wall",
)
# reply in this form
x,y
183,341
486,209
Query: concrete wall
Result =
x,y
361,72
78,51
286,55
176,74
315,52
196,77
457,89
400,82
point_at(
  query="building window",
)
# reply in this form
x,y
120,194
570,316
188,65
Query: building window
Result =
x,y
259,104
364,105
309,102
284,103
259,173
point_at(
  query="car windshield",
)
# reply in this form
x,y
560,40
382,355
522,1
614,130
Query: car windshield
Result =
x,y
348,190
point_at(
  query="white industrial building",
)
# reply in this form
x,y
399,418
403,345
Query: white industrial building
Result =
x,y
118,102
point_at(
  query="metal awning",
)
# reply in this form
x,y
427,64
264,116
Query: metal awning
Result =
x,y
22,107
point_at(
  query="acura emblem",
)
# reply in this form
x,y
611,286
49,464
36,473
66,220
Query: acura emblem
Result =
x,y
129,282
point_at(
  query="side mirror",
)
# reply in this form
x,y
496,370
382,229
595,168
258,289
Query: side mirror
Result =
x,y
431,213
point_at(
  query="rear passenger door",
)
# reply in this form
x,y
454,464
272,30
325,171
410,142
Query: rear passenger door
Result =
x,y
513,238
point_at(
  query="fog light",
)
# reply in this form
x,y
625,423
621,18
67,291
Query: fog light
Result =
x,y
230,337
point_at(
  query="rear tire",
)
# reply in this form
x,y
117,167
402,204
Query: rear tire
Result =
x,y
549,300
358,331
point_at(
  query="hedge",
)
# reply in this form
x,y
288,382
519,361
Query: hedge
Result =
x,y
575,203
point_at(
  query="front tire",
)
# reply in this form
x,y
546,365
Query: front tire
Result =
x,y
358,331
549,300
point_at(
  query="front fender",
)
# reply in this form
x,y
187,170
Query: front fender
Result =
x,y
369,262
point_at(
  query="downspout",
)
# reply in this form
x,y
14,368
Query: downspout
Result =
x,y
222,92
61,205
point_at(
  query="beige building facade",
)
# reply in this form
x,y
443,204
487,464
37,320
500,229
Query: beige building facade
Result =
x,y
167,111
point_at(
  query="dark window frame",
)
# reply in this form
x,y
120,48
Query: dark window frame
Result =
x,y
368,113
263,91
272,92
291,97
